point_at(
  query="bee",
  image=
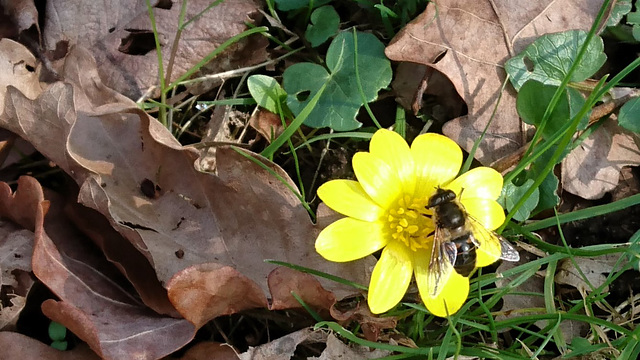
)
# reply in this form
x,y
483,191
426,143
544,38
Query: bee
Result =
x,y
457,238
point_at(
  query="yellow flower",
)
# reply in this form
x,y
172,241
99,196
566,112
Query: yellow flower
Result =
x,y
385,209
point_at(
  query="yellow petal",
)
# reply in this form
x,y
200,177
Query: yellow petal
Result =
x,y
349,198
451,298
487,212
378,179
437,161
390,278
350,239
394,150
481,182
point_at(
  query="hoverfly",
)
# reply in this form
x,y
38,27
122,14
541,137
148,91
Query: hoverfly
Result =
x,y
456,239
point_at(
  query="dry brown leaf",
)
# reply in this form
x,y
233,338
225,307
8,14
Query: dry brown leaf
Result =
x,y
18,346
18,69
201,231
475,38
95,303
268,124
283,281
593,168
123,42
124,255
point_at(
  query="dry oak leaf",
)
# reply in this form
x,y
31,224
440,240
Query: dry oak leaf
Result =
x,y
207,234
469,41
123,42
95,301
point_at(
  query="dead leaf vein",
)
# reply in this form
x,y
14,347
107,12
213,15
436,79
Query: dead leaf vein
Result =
x,y
472,14
456,51
544,11
136,335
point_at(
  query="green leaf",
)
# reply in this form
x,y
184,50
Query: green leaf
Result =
x,y
620,9
57,331
325,23
629,116
549,58
511,194
266,91
339,104
532,102
287,5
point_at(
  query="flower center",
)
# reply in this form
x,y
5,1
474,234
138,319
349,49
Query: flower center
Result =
x,y
409,224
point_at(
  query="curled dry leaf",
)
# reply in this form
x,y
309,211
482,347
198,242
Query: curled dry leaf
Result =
x,y
202,231
473,61
123,42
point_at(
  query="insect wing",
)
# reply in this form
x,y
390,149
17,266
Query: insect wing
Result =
x,y
509,253
443,256
491,244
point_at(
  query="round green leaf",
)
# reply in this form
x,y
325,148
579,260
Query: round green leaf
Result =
x,y
325,23
629,116
549,58
339,104
532,102
266,91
